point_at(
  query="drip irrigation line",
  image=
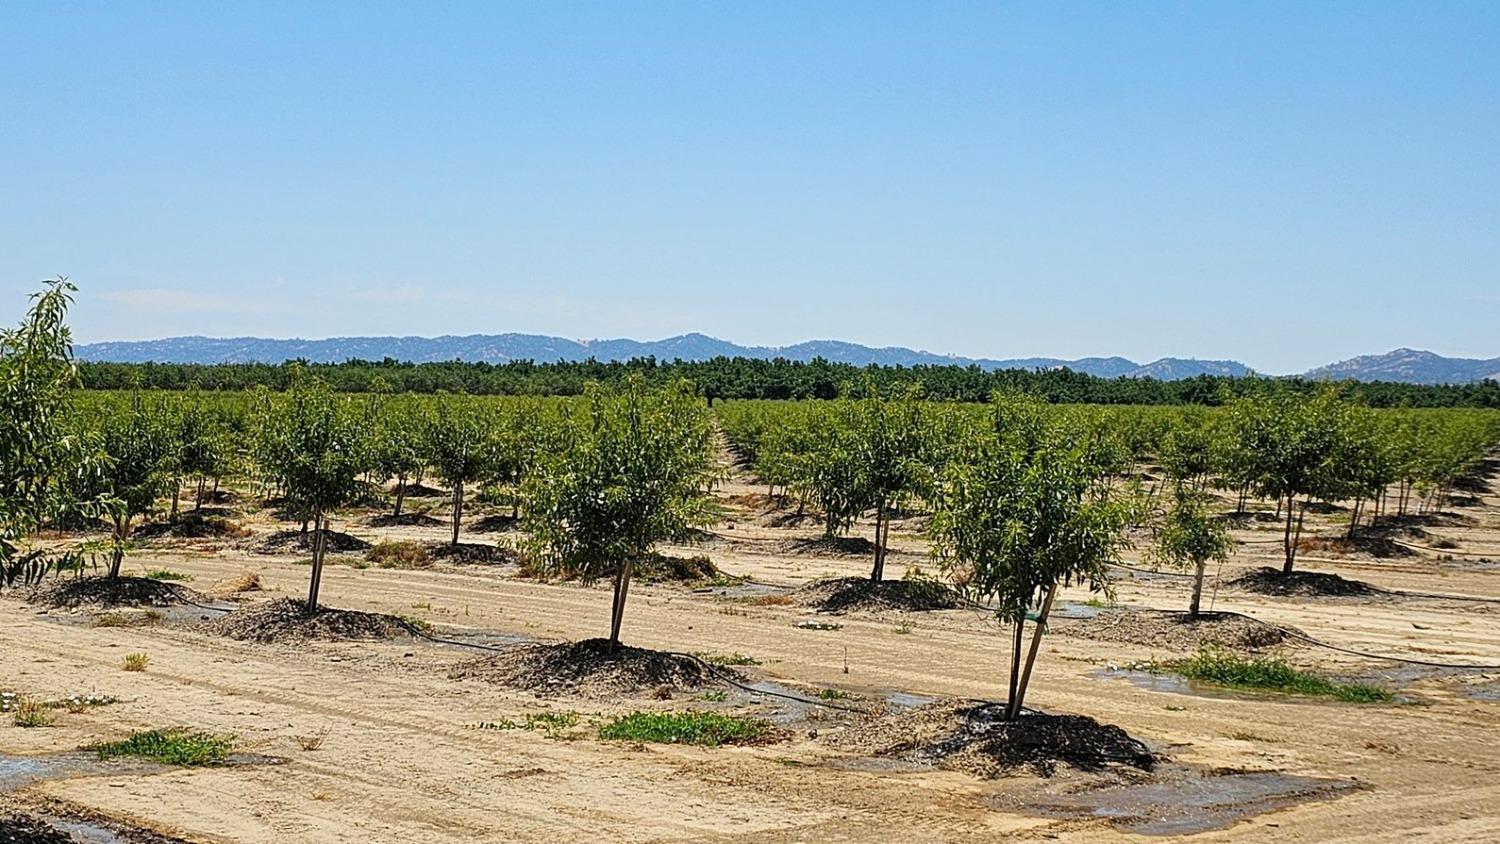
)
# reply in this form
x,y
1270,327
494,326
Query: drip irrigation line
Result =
x,y
182,596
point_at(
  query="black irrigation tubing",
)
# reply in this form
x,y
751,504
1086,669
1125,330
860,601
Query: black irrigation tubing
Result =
x,y
182,596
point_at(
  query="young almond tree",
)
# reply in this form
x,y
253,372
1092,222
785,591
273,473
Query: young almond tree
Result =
x,y
1190,537
1021,522
628,473
139,439
461,446
313,441
43,463
886,442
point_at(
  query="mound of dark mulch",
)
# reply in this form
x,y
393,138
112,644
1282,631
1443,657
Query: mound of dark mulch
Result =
x,y
661,568
404,520
586,668
975,739
1177,631
842,594
72,592
423,491
495,524
837,546
286,620
1305,584
16,828
193,525
284,541
472,552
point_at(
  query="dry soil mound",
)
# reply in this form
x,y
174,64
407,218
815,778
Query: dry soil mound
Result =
x,y
193,526
285,620
837,546
284,541
1176,631
841,594
1306,584
586,668
71,592
977,740
495,524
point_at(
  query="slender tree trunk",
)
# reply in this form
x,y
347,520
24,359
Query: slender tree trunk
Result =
x,y
117,556
1354,516
1015,662
1287,545
1036,645
400,493
1296,537
320,539
878,571
458,508
617,610
1198,572
176,494
198,495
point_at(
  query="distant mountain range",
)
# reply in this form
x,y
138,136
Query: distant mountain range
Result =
x,y
1405,365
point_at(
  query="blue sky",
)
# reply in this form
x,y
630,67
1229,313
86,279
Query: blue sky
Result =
x,y
1284,184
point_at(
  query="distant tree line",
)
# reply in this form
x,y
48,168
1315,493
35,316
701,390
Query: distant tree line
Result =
x,y
749,378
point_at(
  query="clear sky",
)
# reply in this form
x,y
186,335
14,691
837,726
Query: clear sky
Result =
x,y
1284,184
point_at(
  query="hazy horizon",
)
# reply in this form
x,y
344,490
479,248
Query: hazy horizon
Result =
x,y
1278,184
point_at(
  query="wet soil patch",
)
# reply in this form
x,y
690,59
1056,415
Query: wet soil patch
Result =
x,y
1176,631
1184,801
404,520
976,739
193,525
285,541
286,620
588,668
496,524
1304,584
71,593
472,552
842,594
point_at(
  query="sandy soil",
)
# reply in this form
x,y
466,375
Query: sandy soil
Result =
x,y
404,759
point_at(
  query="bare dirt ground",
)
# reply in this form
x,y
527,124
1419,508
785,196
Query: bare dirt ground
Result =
x,y
405,757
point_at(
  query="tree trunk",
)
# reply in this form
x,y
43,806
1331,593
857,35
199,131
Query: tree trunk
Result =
x,y
1015,661
400,493
458,508
617,609
176,494
122,533
1296,536
320,538
1286,537
1198,572
1036,645
198,496
1354,516
878,571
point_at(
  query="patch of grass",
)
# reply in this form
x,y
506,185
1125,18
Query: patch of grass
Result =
x,y
136,662
417,623
904,626
169,747
835,694
32,712
167,575
245,581
714,695
724,660
553,724
399,554
1222,668
706,729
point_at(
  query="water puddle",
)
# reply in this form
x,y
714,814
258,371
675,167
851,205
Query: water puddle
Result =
x,y
1192,804
1075,610
908,699
21,771
744,591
